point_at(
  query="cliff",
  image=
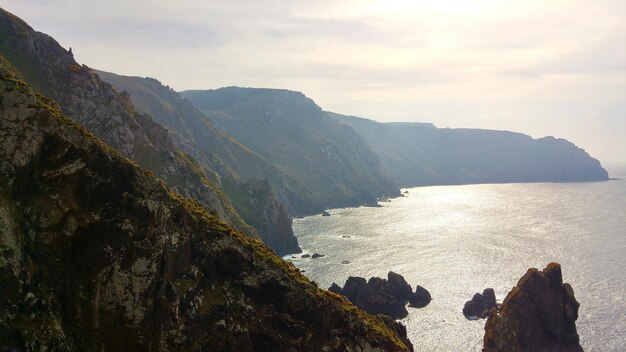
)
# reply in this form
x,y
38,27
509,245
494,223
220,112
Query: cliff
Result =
x,y
416,154
234,167
98,254
82,96
539,314
331,160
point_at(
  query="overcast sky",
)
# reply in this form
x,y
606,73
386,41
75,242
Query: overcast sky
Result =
x,y
538,67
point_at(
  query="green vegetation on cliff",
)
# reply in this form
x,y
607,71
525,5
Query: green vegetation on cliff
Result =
x,y
98,254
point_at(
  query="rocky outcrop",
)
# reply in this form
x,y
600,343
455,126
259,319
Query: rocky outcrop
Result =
x,y
81,95
480,305
257,205
382,296
98,254
539,314
420,298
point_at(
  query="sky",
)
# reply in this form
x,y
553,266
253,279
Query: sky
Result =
x,y
538,67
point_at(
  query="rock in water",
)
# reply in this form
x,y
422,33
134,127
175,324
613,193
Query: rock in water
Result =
x,y
420,298
539,314
480,306
325,213
380,296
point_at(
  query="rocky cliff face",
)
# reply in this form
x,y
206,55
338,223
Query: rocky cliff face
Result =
x,y
416,154
236,168
287,128
98,254
82,96
539,314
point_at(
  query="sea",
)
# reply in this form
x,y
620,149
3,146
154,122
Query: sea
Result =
x,y
458,240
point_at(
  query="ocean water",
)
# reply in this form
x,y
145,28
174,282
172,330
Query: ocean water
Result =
x,y
457,240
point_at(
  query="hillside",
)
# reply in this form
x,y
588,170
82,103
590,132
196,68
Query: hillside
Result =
x,y
98,254
82,96
416,154
287,128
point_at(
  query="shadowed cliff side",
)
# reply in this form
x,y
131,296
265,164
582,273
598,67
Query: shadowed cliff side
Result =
x,y
98,254
539,314
82,96
234,167
285,127
417,154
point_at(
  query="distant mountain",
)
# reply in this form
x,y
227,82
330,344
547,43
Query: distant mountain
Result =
x,y
330,159
416,154
81,95
234,167
97,254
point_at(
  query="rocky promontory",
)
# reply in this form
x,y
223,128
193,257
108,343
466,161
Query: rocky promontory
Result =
x,y
539,314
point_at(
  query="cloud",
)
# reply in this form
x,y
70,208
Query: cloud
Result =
x,y
537,67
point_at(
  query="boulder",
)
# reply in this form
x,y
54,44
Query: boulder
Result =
x,y
420,298
325,213
480,305
305,256
539,314
316,255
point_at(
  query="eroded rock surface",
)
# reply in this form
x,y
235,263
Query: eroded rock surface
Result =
x,y
539,314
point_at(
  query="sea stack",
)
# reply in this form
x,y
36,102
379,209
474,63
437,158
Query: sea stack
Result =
x,y
539,314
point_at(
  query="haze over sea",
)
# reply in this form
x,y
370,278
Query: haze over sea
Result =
x,y
457,240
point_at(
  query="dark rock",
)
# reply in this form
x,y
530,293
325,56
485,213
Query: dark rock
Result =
x,y
420,298
480,306
398,287
405,192
306,255
345,262
373,205
346,236
539,314
325,213
316,255
335,288
382,296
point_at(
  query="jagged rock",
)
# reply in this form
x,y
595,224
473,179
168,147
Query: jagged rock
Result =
x,y
335,288
325,213
98,254
539,314
316,255
420,298
480,305
379,296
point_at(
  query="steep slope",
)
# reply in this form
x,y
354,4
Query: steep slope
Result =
x,y
82,96
231,163
97,254
291,131
421,154
539,314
